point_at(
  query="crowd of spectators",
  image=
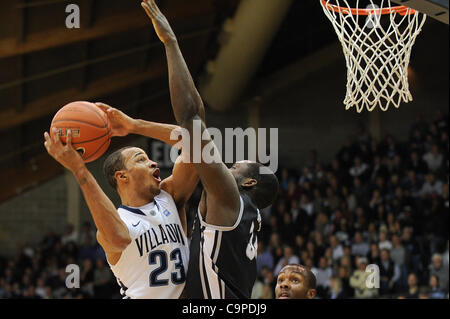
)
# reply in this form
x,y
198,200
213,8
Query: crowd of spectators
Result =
x,y
380,207
41,272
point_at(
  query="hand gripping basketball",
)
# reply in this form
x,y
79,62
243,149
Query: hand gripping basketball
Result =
x,y
89,125
121,124
66,155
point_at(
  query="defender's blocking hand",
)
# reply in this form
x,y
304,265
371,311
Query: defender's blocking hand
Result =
x,y
160,23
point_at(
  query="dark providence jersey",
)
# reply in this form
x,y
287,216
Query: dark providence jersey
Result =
x,y
222,262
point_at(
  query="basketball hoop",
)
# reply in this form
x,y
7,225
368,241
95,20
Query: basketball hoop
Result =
x,y
377,42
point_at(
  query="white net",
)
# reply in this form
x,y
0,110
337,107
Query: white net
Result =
x,y
377,45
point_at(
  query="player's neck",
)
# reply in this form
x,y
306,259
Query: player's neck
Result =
x,y
135,200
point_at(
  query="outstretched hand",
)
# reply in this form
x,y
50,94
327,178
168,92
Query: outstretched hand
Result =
x,y
66,155
121,124
160,23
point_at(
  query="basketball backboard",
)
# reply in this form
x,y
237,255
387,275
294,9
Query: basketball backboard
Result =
x,y
437,9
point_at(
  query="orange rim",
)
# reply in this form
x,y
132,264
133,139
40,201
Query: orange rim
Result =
x,y
402,10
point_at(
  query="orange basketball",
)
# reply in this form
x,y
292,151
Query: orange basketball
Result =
x,y
91,130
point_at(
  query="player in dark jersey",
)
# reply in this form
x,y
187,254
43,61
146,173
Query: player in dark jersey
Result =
x,y
223,263
224,241
295,282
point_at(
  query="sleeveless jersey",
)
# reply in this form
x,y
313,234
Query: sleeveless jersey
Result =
x,y
154,264
223,259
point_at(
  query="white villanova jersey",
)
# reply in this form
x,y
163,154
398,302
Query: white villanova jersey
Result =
x,y
154,264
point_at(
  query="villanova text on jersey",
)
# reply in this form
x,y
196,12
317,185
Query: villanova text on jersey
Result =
x,y
151,239
154,265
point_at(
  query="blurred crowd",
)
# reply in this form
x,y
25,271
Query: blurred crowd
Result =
x,y
373,223
41,272
377,215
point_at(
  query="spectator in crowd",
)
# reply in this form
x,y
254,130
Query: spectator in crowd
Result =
x,y
87,276
284,180
431,187
264,258
41,289
416,164
359,169
383,242
359,190
389,272
70,235
269,282
434,159
446,255
344,277
359,281
398,252
86,233
258,288
323,275
335,288
287,259
437,268
436,291
306,205
374,254
413,287
371,233
287,229
379,169
102,279
267,292
336,247
331,199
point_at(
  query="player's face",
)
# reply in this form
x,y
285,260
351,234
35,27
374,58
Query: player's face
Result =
x,y
142,172
292,284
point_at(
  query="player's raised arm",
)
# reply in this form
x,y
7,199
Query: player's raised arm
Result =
x,y
122,125
219,184
186,101
113,232
181,184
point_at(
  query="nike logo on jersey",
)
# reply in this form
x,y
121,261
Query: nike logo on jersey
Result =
x,y
136,224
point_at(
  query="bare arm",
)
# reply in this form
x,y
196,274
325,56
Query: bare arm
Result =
x,y
112,229
186,101
122,125
184,177
223,194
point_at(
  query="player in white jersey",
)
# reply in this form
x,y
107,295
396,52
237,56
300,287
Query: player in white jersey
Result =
x,y
145,239
154,265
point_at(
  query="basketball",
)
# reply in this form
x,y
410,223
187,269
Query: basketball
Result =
x,y
89,125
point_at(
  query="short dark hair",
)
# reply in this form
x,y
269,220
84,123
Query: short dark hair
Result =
x,y
310,278
113,163
266,189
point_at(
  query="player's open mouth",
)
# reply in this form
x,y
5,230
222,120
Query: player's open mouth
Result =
x,y
156,175
284,295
